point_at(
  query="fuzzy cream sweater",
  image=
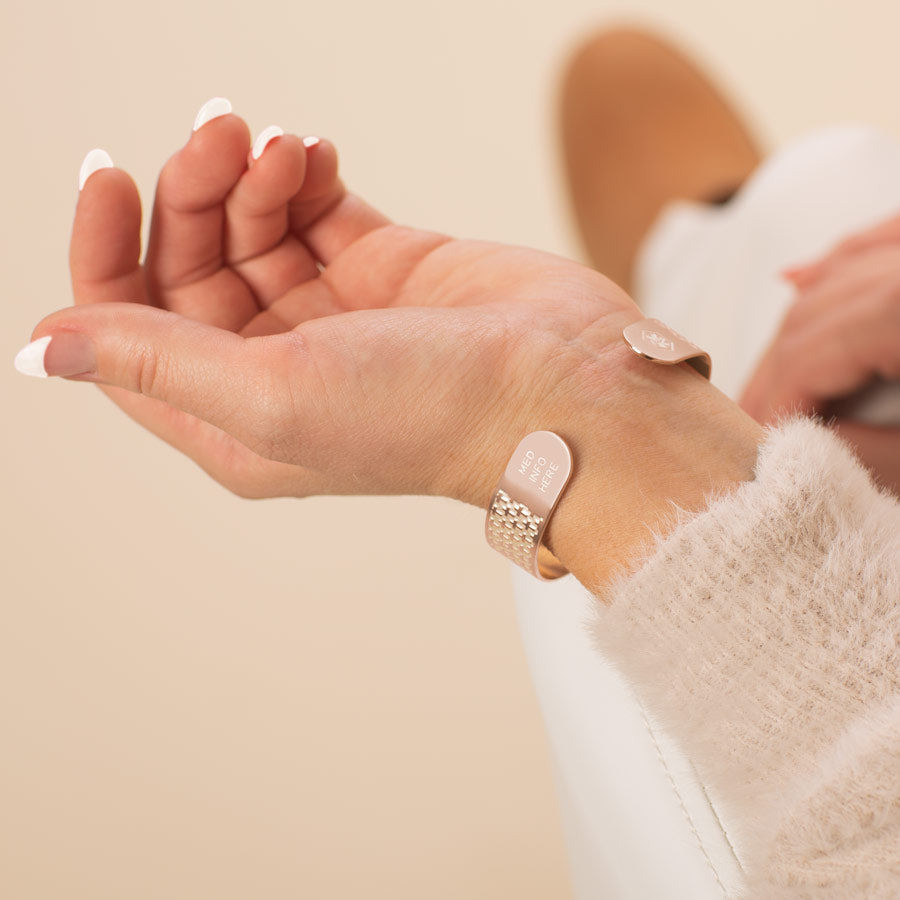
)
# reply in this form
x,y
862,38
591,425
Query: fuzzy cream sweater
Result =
x,y
764,633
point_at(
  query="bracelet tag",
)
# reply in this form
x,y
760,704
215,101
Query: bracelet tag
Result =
x,y
654,340
527,494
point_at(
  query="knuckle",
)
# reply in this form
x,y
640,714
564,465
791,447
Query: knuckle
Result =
x,y
150,374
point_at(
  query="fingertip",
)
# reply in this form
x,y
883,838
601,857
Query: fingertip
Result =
x,y
202,172
321,167
321,149
212,109
100,181
95,160
265,137
226,126
273,177
108,195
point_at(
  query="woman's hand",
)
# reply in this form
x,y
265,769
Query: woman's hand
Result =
x,y
841,335
292,341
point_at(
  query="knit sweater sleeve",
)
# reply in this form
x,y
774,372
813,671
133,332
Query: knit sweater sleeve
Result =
x,y
764,634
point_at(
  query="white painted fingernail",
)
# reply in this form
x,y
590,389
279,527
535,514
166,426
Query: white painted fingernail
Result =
x,y
30,359
212,109
266,135
96,159
310,141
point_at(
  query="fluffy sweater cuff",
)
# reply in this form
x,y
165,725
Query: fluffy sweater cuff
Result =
x,y
760,630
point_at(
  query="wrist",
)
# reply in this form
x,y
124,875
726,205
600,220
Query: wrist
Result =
x,y
645,438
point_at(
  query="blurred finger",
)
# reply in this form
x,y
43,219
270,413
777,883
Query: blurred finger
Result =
x,y
828,357
870,273
883,233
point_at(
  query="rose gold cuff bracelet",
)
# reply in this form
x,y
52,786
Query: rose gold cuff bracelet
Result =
x,y
541,465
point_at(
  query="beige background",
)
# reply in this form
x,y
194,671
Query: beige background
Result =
x,y
203,697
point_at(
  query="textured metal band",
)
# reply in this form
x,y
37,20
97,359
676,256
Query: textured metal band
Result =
x,y
523,501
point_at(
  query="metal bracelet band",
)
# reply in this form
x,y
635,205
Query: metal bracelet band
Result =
x,y
527,494
654,340
541,465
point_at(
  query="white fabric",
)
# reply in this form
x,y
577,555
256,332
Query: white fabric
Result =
x,y
637,822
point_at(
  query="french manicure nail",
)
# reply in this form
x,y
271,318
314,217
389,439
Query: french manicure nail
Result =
x,y
96,159
30,359
212,109
64,353
310,141
266,135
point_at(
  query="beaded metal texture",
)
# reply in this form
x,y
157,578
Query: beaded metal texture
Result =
x,y
513,529
523,501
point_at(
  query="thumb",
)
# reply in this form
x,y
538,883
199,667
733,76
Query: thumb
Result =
x,y
232,382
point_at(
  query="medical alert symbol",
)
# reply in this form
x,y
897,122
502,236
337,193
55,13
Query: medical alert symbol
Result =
x,y
657,339
657,342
